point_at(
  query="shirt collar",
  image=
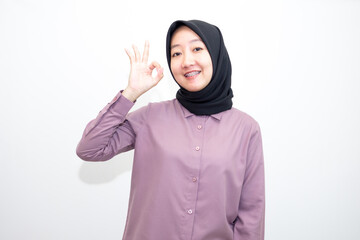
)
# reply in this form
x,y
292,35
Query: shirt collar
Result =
x,y
187,113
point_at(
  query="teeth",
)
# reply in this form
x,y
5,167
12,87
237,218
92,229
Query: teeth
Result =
x,y
191,74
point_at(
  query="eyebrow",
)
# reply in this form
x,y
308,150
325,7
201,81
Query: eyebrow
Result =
x,y
194,40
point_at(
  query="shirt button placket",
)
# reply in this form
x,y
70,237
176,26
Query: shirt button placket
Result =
x,y
199,127
194,179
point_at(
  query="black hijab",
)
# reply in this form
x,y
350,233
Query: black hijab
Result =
x,y
216,96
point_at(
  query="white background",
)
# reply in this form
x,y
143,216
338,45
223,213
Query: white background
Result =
x,y
296,70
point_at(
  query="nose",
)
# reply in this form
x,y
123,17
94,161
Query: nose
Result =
x,y
188,59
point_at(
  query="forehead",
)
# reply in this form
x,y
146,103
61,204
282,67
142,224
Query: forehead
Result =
x,y
183,34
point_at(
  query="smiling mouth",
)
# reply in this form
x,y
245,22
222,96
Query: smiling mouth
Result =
x,y
192,74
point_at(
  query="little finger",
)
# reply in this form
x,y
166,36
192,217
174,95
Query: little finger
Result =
x,y
131,57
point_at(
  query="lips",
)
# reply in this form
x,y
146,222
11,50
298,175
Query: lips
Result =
x,y
191,74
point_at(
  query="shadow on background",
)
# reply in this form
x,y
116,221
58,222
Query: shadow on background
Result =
x,y
103,172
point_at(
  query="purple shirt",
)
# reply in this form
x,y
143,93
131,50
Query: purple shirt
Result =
x,y
193,177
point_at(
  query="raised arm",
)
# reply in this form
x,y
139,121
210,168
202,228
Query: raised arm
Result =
x,y
114,131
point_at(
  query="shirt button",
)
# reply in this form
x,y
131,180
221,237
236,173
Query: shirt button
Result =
x,y
197,148
194,179
199,127
189,211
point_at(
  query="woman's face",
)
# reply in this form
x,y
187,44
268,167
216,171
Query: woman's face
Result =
x,y
190,63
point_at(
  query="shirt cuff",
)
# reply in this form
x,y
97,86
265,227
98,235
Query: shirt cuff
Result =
x,y
121,104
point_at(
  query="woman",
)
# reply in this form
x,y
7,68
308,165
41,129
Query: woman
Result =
x,y
198,170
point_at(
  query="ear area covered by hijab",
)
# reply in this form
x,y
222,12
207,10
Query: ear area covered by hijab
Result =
x,y
216,96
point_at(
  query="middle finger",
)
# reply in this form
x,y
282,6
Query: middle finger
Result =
x,y
146,52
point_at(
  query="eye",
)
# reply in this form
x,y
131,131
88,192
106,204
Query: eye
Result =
x,y
175,54
197,49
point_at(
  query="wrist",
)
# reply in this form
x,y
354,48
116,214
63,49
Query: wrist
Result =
x,y
130,94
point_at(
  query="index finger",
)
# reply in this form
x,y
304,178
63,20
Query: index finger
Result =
x,y
154,65
146,52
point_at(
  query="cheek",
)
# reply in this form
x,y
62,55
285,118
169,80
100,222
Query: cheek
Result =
x,y
211,70
208,66
173,67
175,70
206,61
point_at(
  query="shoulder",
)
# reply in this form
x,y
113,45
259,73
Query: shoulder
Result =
x,y
155,107
249,125
240,121
162,104
240,116
153,113
168,108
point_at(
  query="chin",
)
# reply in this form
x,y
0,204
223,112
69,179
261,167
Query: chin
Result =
x,y
194,88
192,85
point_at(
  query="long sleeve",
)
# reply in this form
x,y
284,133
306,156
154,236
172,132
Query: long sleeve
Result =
x,y
111,132
251,215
